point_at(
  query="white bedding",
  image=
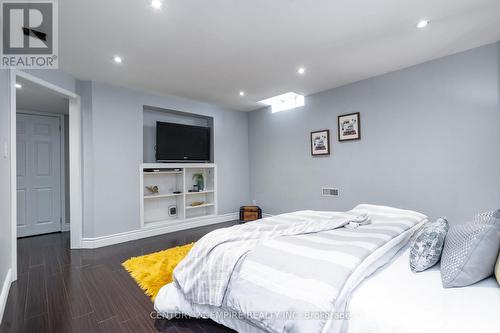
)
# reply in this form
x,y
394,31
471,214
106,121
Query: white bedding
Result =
x,y
392,300
170,299
395,300
274,293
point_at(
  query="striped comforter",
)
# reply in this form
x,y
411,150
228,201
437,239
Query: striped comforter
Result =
x,y
204,274
297,279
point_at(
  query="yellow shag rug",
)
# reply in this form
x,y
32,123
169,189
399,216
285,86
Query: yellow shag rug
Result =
x,y
153,271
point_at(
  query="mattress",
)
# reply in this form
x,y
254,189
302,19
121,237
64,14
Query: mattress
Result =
x,y
396,300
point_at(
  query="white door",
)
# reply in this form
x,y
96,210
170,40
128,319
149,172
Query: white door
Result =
x,y
38,174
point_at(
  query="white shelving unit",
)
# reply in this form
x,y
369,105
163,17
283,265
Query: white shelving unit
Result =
x,y
200,206
156,196
176,177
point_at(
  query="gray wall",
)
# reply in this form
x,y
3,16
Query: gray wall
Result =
x,y
55,76
498,67
66,169
115,126
430,142
113,150
150,117
5,225
84,89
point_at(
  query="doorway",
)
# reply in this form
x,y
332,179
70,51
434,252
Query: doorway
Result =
x,y
44,193
40,173
41,152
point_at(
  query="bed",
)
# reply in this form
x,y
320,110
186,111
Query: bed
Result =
x,y
321,272
396,300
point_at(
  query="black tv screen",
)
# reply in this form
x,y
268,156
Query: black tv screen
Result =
x,y
177,142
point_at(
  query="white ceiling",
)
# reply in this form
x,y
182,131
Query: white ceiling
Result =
x,y
210,50
35,97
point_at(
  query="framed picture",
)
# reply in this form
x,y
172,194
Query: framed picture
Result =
x,y
349,127
320,143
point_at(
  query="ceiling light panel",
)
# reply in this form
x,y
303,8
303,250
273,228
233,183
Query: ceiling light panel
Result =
x,y
156,4
422,24
287,101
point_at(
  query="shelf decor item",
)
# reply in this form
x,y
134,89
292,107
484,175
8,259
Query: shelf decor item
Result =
x,y
197,203
349,127
320,143
153,189
198,178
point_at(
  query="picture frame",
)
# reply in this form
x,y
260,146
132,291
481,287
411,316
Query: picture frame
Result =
x,y
320,143
349,127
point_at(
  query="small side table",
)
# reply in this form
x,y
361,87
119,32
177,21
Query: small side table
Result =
x,y
250,213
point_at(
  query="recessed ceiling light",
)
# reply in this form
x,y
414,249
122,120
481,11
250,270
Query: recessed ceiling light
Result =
x,y
117,59
19,86
156,4
301,71
242,93
422,24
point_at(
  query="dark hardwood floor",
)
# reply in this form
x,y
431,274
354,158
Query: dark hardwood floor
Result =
x,y
62,290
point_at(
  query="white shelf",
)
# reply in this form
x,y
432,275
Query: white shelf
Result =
x,y
161,222
200,206
156,196
200,192
176,221
176,177
163,173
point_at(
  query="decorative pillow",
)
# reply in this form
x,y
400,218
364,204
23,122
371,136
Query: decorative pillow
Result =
x,y
497,270
469,254
492,217
426,248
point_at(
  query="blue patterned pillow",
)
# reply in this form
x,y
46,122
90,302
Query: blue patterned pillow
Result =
x,y
426,248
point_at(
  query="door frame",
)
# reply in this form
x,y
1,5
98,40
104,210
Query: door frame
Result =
x,y
62,162
75,160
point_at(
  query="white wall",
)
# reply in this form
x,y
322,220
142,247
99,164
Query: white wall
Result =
x,y
430,142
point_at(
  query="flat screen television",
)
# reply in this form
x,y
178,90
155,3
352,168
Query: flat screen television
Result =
x,y
178,143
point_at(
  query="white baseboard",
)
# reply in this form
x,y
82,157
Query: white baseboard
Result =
x,y
5,292
93,243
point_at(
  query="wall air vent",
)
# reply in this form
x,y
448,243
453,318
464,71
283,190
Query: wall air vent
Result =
x,y
330,192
